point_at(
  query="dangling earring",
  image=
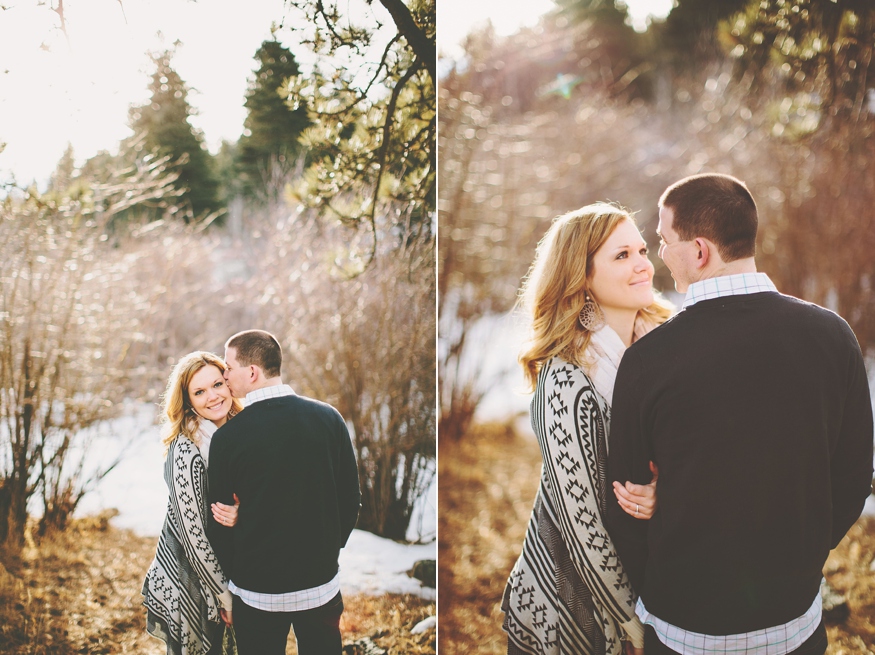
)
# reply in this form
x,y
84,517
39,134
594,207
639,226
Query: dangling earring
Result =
x,y
591,317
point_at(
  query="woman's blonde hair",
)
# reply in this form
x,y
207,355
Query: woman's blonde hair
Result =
x,y
179,417
555,288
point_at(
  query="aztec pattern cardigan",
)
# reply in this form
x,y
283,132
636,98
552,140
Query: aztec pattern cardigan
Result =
x,y
184,582
567,592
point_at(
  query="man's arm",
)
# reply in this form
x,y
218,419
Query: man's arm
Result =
x,y
851,459
221,491
628,460
347,479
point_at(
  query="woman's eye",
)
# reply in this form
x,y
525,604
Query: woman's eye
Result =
x,y
198,392
623,255
644,251
217,385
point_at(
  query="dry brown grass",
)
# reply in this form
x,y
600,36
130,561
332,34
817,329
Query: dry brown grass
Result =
x,y
849,571
487,485
488,482
79,592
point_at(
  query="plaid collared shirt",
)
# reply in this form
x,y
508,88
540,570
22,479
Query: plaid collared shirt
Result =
x,y
276,391
293,601
776,640
727,285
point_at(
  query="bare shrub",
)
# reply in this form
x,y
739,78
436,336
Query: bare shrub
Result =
x,y
68,323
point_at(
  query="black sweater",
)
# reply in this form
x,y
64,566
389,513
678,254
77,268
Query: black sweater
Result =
x,y
756,409
291,462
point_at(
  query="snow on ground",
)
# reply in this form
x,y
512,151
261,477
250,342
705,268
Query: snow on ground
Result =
x,y
372,565
136,488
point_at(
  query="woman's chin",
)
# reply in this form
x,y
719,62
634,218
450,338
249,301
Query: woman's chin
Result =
x,y
646,298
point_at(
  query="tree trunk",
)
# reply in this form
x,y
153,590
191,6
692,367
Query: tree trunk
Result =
x,y
13,515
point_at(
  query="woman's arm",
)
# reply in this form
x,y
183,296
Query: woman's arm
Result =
x,y
187,482
571,430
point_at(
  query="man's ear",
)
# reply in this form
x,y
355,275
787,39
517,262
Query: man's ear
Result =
x,y
253,373
705,252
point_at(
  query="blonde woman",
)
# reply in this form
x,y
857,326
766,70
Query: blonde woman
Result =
x,y
186,593
589,295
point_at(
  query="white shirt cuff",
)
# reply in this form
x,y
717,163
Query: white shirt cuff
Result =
x,y
226,599
635,630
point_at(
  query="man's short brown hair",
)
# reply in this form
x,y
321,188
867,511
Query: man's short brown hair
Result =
x,y
717,207
258,348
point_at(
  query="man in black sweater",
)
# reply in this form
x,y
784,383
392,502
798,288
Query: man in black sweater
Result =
x,y
290,461
755,406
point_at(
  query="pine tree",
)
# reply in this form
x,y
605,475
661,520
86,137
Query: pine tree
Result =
x,y
372,161
162,127
269,145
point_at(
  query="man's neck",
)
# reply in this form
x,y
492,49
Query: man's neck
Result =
x,y
735,267
271,382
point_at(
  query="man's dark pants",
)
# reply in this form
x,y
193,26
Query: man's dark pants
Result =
x,y
814,645
317,631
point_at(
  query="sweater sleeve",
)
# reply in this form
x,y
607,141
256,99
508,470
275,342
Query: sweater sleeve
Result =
x,y
188,495
347,483
851,458
566,408
628,460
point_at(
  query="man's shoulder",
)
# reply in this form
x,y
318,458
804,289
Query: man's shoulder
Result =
x,y
672,328
809,308
305,404
263,409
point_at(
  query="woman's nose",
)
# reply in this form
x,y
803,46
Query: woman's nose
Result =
x,y
642,263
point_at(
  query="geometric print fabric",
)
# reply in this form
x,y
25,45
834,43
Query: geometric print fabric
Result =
x,y
567,592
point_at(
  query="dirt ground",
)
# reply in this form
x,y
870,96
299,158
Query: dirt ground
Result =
x,y
79,592
487,487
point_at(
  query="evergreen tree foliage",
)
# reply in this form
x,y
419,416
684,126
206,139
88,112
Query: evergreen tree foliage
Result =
x,y
689,35
161,127
269,145
820,53
374,125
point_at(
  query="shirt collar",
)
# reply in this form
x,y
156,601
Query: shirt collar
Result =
x,y
728,285
264,393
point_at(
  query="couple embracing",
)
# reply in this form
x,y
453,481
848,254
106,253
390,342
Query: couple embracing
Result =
x,y
697,469
264,493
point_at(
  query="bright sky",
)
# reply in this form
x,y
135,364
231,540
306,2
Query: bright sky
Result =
x,y
77,89
55,90
457,18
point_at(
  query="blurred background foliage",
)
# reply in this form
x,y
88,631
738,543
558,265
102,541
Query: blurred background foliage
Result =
x,y
580,108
